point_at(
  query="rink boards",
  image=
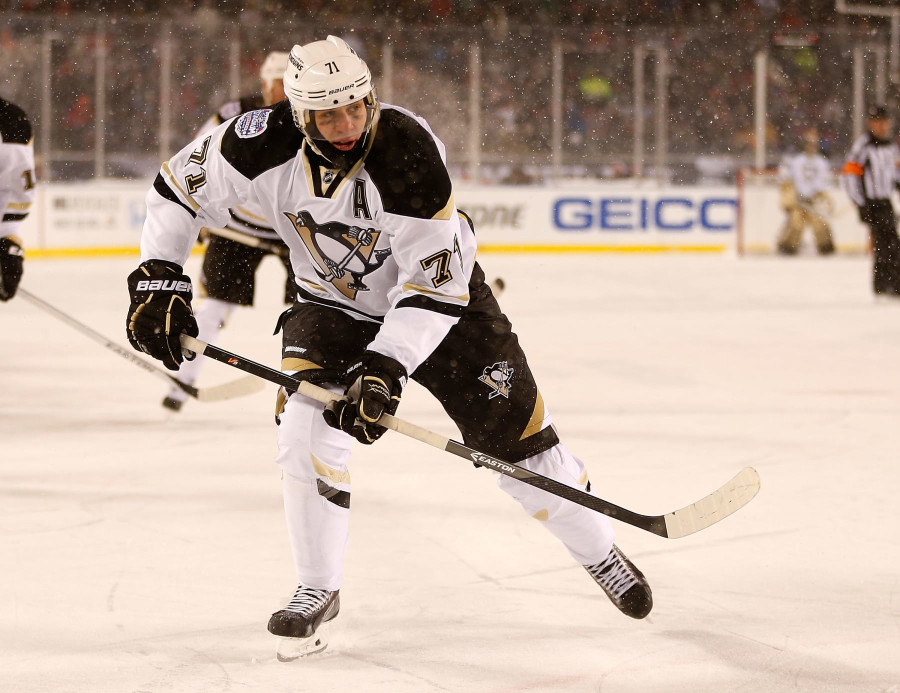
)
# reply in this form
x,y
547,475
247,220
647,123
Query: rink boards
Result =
x,y
628,216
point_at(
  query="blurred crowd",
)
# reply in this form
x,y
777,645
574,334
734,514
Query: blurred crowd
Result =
x,y
788,13
708,50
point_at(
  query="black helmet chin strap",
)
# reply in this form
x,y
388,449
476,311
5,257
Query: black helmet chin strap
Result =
x,y
341,159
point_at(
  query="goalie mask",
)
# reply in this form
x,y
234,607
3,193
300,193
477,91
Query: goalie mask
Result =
x,y
332,99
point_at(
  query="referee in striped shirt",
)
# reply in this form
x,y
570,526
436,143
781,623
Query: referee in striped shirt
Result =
x,y
869,176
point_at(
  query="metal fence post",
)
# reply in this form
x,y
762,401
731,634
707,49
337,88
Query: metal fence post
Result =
x,y
100,101
165,90
760,115
637,159
475,110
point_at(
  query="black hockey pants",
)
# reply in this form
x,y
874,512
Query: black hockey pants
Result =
x,y
879,215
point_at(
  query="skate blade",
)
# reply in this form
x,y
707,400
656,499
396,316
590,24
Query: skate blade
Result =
x,y
292,649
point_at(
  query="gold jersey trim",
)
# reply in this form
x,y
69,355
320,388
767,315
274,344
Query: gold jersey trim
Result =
x,y
335,475
448,211
311,283
537,418
295,364
250,215
168,171
431,292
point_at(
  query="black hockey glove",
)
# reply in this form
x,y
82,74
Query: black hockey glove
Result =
x,y
376,382
11,261
160,311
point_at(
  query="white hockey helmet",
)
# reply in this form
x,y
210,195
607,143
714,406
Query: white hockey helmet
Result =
x,y
273,66
323,75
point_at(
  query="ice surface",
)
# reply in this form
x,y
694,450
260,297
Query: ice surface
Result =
x,y
142,551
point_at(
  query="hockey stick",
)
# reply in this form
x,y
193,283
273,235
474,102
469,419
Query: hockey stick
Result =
x,y
236,388
252,241
718,505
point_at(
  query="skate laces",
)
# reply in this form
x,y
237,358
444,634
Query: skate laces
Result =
x,y
613,574
308,600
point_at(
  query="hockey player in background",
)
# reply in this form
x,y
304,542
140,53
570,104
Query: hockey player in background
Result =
x,y
804,181
16,192
869,176
388,289
228,274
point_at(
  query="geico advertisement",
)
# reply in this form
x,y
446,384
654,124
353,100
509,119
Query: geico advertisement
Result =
x,y
111,213
601,216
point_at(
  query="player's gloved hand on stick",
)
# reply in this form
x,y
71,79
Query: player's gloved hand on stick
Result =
x,y
376,382
12,258
160,311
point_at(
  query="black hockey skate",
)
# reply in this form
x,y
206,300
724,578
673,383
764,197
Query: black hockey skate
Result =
x,y
299,624
624,584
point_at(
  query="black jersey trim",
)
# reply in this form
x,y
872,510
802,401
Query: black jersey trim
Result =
x,y
15,128
249,224
406,167
331,494
425,303
166,192
311,298
278,143
14,217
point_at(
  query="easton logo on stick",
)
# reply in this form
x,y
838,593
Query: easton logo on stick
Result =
x,y
488,461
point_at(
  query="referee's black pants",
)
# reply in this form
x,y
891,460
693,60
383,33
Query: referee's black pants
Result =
x,y
879,215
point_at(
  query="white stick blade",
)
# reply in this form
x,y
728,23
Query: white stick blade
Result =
x,y
236,388
718,505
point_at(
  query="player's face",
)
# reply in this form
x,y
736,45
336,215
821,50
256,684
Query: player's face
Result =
x,y
880,127
273,91
343,126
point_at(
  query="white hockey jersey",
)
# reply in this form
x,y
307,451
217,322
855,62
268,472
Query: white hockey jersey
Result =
x,y
382,242
16,168
248,218
810,174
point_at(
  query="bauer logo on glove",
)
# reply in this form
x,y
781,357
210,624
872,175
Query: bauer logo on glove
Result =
x,y
160,311
164,285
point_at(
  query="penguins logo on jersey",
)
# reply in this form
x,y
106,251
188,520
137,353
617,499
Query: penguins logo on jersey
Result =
x,y
498,377
343,254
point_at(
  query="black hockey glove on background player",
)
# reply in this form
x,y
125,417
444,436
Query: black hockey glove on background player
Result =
x,y
11,261
160,311
376,382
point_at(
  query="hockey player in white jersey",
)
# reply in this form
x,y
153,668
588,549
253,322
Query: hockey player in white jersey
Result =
x,y
228,272
388,289
16,192
804,180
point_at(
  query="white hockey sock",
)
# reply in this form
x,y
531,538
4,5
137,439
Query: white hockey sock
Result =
x,y
211,316
588,535
316,487
318,531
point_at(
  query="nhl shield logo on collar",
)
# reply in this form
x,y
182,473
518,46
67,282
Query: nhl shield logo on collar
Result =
x,y
498,377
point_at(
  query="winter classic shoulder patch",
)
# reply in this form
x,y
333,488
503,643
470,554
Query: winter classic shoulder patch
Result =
x,y
252,123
